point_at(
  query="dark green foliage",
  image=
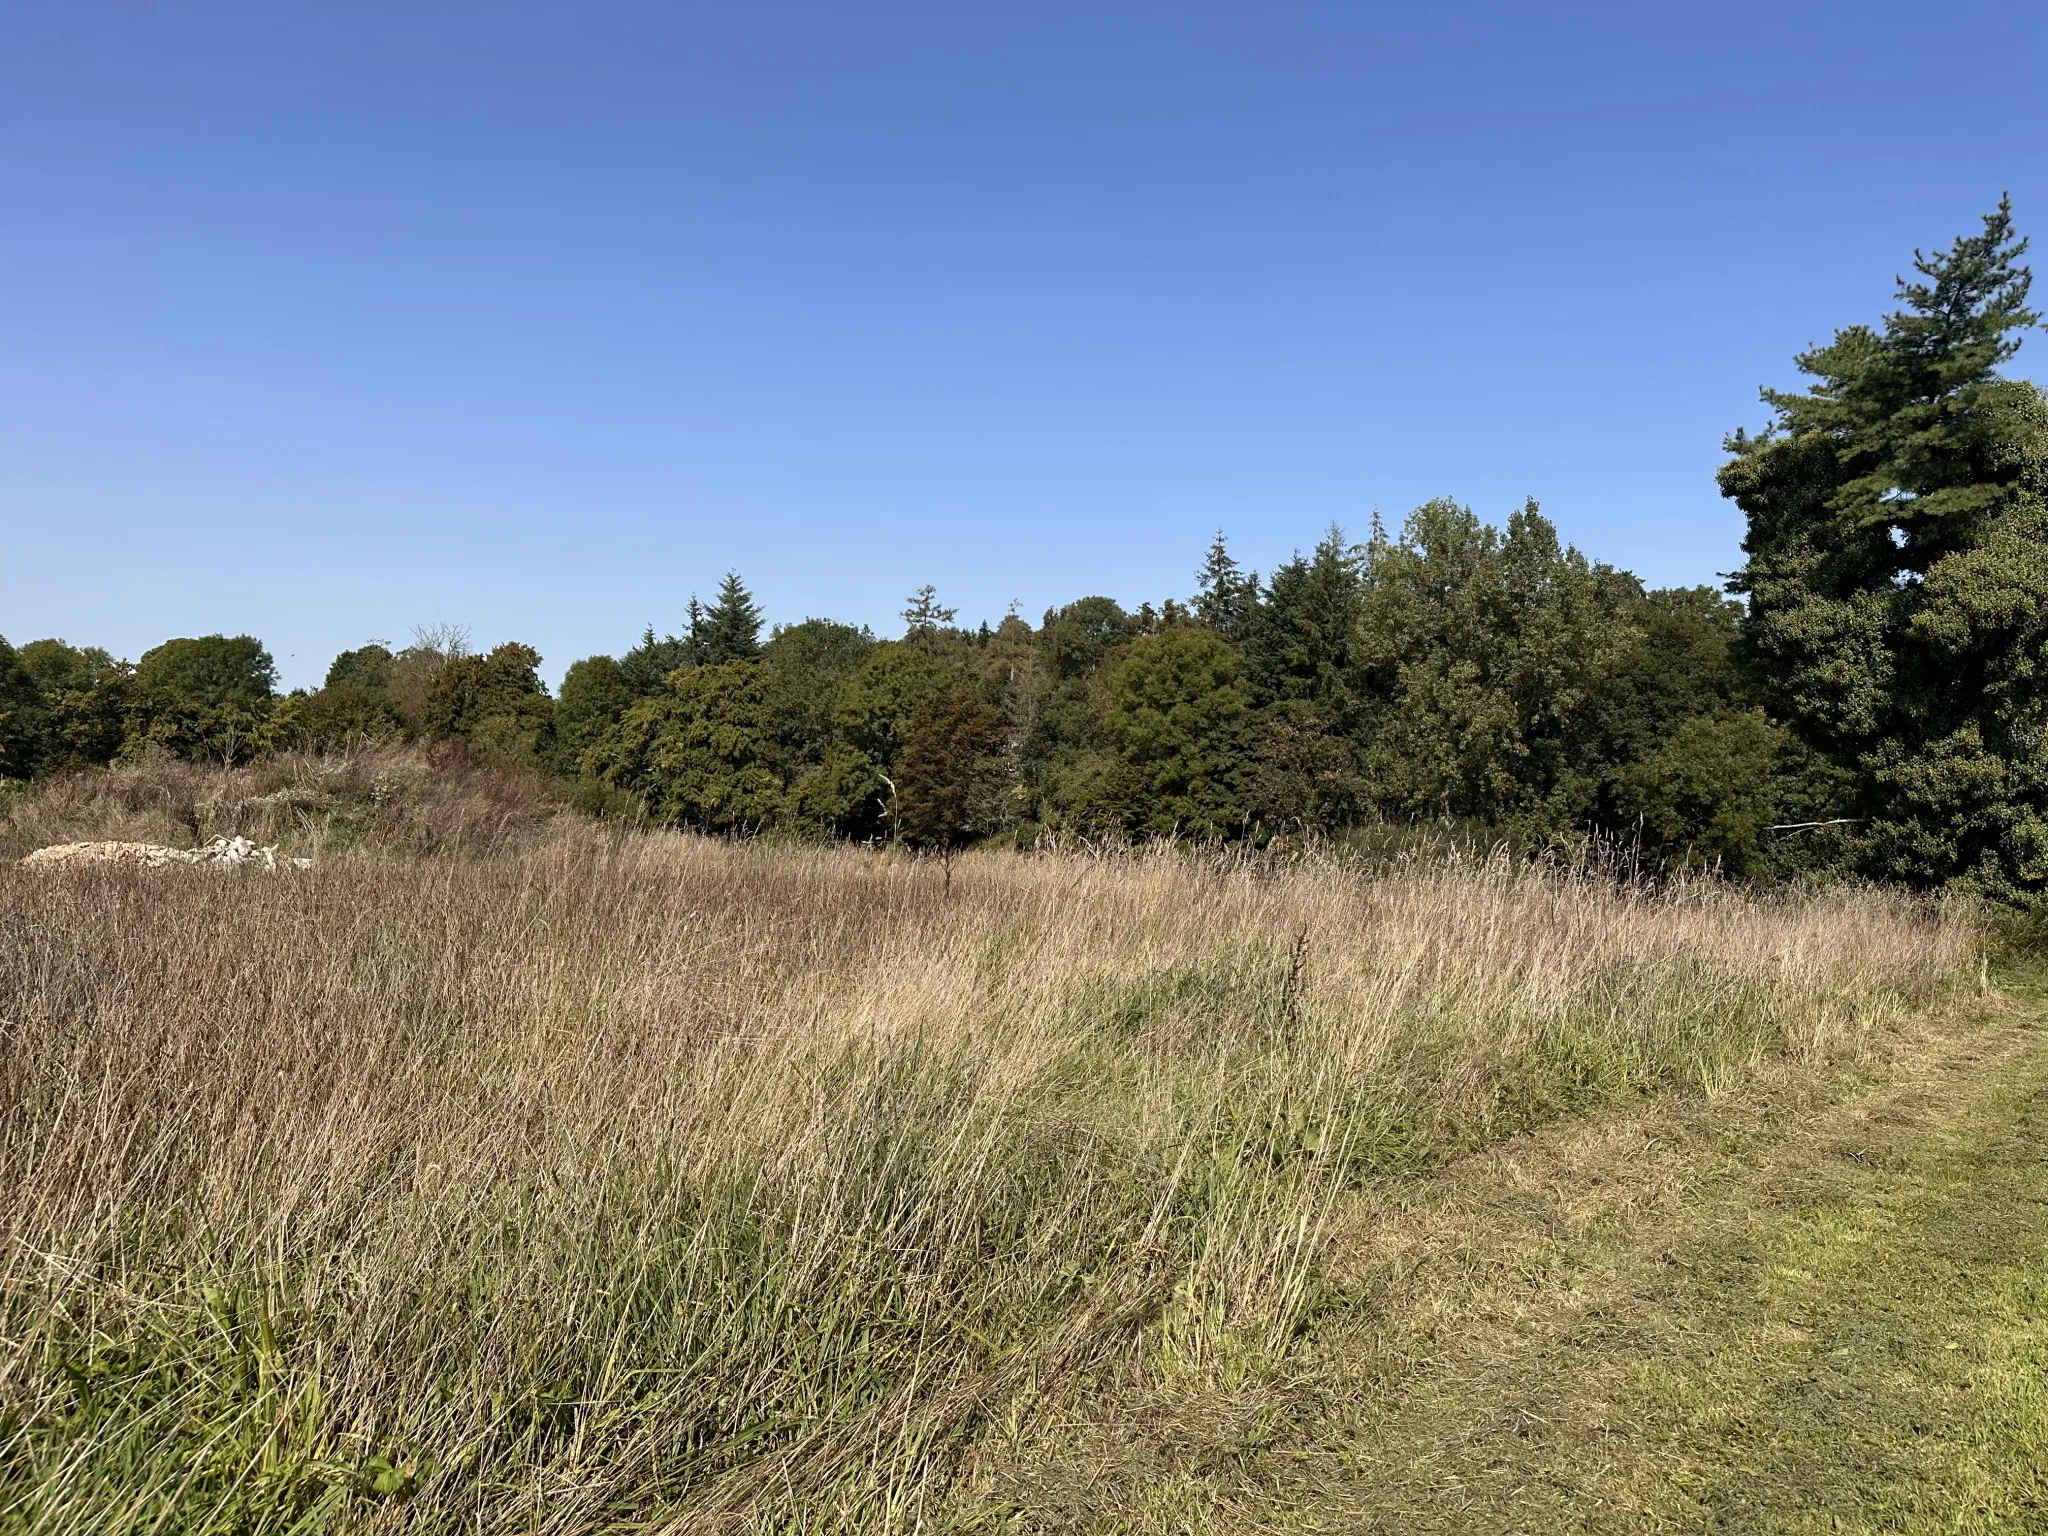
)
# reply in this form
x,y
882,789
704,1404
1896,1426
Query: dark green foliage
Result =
x,y
1705,794
1297,775
951,786
806,665
209,697
496,703
1299,641
646,667
89,699
1691,772
414,669
843,796
1063,741
925,615
730,629
342,714
595,695
1227,598
354,705
368,668
1175,711
702,755
1006,659
876,703
1898,574
212,671
58,668
1077,639
27,734
1677,663
1477,656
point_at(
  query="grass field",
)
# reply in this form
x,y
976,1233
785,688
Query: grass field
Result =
x,y
637,1182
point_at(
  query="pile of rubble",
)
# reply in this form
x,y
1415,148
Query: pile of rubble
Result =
x,y
215,853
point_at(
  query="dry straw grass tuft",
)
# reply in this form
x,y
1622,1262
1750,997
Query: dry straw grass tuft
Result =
x,y
418,799
647,1179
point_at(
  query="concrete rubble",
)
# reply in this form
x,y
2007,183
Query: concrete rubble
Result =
x,y
215,853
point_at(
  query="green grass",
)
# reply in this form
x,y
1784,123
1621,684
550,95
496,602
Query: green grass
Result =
x,y
1818,1304
644,1183
1879,1363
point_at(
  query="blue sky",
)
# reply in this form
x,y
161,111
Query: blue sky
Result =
x,y
323,322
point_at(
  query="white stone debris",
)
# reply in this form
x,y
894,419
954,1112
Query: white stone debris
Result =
x,y
215,853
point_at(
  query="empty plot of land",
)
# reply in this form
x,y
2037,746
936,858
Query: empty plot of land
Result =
x,y
624,1182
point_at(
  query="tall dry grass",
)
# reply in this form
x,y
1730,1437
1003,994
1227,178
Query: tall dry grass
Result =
x,y
655,1183
417,798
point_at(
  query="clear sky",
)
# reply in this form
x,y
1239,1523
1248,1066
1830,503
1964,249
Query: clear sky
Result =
x,y
326,321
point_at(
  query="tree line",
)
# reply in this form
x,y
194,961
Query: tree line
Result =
x,y
1873,700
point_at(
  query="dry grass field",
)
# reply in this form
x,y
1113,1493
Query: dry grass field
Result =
x,y
544,1177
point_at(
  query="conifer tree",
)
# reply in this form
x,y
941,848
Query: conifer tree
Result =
x,y
925,615
647,665
1227,596
730,629
1300,639
1898,572
950,783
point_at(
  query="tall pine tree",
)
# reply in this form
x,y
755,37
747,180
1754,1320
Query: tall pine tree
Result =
x,y
1227,597
1898,573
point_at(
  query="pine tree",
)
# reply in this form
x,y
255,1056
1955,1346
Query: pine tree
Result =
x,y
646,667
730,629
1226,597
1300,639
925,615
1898,572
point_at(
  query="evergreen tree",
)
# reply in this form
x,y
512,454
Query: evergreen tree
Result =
x,y
645,668
730,629
1175,714
1898,573
1478,656
1299,641
1227,597
951,780
926,615
702,754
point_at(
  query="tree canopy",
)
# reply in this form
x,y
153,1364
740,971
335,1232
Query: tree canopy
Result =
x,y
1897,573
1873,700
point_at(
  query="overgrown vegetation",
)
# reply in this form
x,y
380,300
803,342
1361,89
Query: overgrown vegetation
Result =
x,y
527,1164
638,1180
420,798
1877,707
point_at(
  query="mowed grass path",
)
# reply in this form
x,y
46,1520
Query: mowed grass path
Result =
x,y
1817,1303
